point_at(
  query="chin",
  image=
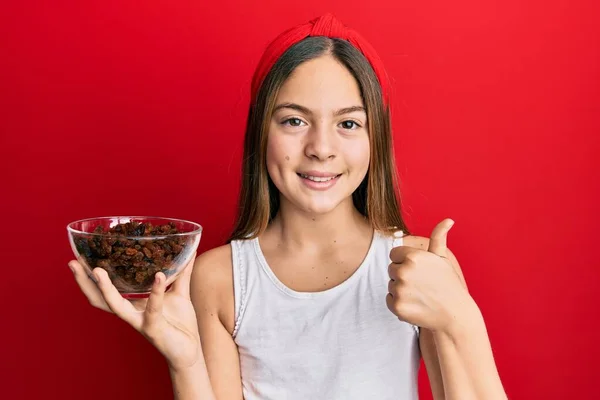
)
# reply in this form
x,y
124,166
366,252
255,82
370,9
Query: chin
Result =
x,y
320,210
314,202
319,206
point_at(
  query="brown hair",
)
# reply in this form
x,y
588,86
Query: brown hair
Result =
x,y
377,197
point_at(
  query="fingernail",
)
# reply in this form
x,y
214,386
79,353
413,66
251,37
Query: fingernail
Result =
x,y
157,279
71,268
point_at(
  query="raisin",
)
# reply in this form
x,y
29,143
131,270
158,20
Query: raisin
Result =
x,y
139,230
131,264
177,248
106,248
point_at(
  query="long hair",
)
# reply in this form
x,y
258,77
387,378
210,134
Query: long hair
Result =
x,y
377,197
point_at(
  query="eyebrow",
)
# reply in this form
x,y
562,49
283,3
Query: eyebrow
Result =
x,y
304,110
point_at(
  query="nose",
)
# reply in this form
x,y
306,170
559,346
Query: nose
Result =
x,y
320,143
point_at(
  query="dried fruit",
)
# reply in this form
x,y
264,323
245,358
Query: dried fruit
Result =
x,y
132,264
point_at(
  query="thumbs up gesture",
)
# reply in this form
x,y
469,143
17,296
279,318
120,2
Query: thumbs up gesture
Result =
x,y
424,289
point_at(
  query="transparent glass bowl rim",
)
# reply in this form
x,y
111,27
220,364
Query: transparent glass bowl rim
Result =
x,y
196,231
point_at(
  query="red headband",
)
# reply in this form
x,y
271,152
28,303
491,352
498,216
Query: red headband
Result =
x,y
326,25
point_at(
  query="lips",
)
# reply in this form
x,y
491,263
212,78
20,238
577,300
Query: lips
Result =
x,y
317,174
318,178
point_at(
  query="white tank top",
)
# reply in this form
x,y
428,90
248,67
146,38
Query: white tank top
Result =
x,y
342,343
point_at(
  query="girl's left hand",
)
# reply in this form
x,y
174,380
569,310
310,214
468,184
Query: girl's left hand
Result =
x,y
424,288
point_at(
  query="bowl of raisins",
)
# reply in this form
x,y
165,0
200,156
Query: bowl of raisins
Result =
x,y
132,249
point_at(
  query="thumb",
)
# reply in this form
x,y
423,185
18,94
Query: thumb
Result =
x,y
182,283
439,236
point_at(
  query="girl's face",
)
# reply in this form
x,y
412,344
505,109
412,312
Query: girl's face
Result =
x,y
318,143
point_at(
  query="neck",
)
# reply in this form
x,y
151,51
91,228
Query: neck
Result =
x,y
301,229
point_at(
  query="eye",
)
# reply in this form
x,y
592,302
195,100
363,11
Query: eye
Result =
x,y
293,122
349,124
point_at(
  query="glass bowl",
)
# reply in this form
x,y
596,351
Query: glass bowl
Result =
x,y
133,249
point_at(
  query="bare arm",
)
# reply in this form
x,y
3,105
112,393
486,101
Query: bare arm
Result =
x,y
216,373
430,354
212,296
466,357
432,363
167,319
192,383
462,361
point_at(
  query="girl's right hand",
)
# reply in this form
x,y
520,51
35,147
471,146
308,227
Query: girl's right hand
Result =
x,y
167,320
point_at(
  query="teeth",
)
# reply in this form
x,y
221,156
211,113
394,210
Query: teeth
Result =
x,y
317,178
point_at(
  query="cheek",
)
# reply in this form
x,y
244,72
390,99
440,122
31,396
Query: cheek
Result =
x,y
276,150
279,154
359,155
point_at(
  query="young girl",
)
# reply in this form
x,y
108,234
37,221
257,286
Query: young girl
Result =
x,y
303,302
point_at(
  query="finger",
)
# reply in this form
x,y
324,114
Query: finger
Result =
x,y
391,305
181,285
392,288
88,286
117,304
393,271
439,238
389,300
398,254
154,305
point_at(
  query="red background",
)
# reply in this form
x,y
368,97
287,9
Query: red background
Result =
x,y
124,107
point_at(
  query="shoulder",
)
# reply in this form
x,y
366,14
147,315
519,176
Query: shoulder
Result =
x,y
219,256
213,266
212,284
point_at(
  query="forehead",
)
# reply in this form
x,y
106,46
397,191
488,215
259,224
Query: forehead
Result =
x,y
321,83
